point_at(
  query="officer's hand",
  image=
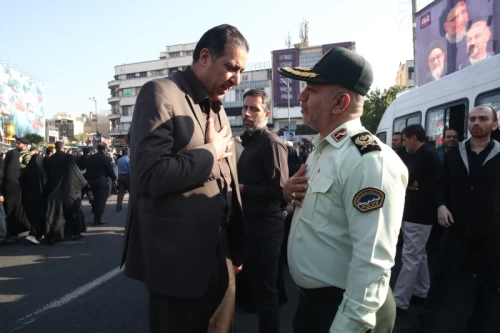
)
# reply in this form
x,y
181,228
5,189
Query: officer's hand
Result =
x,y
1,198
296,187
445,218
220,140
237,269
413,186
115,182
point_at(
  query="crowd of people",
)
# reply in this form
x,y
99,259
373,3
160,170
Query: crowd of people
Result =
x,y
451,208
42,192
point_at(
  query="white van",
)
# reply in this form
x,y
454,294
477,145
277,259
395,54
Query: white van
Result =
x,y
444,103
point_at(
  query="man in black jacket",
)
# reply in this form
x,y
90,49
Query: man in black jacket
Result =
x,y
400,149
469,208
98,170
419,216
263,172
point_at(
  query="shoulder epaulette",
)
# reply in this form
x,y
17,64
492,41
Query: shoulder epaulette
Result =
x,y
365,142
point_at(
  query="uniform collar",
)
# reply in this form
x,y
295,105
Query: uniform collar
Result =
x,y
341,134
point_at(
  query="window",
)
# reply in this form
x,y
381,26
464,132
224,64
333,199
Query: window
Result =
x,y
382,136
157,72
174,54
441,118
126,110
188,53
127,92
235,120
143,74
400,123
131,76
411,73
126,126
284,125
491,98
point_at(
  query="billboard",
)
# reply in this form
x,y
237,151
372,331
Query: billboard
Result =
x,y
285,58
454,34
22,102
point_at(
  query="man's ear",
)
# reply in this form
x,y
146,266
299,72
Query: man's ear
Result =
x,y
340,103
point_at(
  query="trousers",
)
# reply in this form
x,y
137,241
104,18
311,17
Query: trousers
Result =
x,y
100,191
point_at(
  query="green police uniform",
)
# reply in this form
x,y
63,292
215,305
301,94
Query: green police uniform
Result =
x,y
345,233
342,241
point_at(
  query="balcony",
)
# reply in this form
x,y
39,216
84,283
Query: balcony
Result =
x,y
114,115
114,83
113,99
117,131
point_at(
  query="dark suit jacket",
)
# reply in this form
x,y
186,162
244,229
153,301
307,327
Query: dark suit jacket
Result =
x,y
99,165
174,205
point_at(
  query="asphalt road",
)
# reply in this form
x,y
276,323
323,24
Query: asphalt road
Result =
x,y
77,287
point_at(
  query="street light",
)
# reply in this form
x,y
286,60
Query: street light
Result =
x,y
95,104
287,82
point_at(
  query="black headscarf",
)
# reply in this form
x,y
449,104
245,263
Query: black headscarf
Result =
x,y
64,199
33,180
17,220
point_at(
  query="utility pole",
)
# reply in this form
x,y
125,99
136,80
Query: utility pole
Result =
x,y
287,82
414,29
95,105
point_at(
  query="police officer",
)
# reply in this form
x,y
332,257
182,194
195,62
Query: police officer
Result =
x,y
22,146
348,202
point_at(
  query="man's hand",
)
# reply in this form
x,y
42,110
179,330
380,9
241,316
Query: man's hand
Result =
x,y
115,182
237,269
414,186
296,187
220,140
1,198
445,218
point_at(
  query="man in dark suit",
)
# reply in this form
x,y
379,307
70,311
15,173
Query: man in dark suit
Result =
x,y
98,170
184,223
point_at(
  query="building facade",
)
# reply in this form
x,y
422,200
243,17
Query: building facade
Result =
x,y
406,74
129,79
66,125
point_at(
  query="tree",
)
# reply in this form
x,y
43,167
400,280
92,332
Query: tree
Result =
x,y
34,138
81,137
375,105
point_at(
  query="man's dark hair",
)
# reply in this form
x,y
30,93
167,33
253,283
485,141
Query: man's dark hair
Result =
x,y
437,44
33,149
489,107
396,133
416,130
86,150
49,150
102,146
266,100
217,39
59,145
125,151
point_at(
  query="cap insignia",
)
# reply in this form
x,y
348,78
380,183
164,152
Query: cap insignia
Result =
x,y
298,73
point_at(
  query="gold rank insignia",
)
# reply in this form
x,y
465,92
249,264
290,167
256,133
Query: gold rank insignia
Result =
x,y
340,134
365,142
299,72
368,199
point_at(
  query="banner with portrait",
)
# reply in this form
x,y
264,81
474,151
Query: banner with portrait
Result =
x,y
454,34
22,103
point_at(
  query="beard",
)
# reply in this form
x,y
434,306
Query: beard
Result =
x,y
255,125
437,72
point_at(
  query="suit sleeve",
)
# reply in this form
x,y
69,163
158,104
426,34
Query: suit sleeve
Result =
x,y
109,169
276,174
157,170
374,234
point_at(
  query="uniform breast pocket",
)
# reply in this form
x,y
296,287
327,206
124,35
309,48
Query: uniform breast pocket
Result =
x,y
318,201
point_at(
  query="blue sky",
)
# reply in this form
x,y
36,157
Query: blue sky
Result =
x,y
74,45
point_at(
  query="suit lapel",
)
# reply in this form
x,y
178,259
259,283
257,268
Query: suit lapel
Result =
x,y
195,108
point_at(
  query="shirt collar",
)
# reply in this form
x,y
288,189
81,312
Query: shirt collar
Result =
x,y
487,149
199,92
246,137
338,137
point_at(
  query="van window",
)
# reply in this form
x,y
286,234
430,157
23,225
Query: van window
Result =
x,y
491,98
401,123
441,118
382,136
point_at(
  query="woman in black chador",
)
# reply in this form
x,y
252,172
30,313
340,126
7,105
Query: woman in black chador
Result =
x,y
33,180
17,221
64,201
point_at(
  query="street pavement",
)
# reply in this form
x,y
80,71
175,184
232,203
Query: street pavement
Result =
x,y
78,287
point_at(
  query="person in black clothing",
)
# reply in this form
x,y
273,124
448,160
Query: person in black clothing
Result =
x,y
468,201
3,220
98,169
17,220
33,180
495,135
49,151
303,155
418,218
82,161
63,216
262,171
400,149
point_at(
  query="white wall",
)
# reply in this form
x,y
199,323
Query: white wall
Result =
x,y
282,113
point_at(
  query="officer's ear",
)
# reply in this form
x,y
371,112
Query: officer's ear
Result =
x,y
340,102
